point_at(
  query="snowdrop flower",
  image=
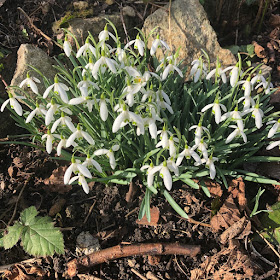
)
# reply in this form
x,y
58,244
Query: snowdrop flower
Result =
x,y
87,84
164,172
171,146
61,144
109,154
138,45
266,85
257,114
59,88
138,78
188,153
81,181
237,132
103,107
164,105
125,117
50,140
234,74
84,99
273,145
258,78
129,91
198,132
218,72
247,86
105,34
76,167
89,67
67,46
122,57
235,116
198,68
216,109
209,163
150,177
52,109
64,121
157,43
79,134
274,128
247,103
151,123
170,69
31,83
13,100
90,162
87,47
38,111
202,148
104,61
164,143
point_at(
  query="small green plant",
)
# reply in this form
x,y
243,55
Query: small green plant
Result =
x,y
38,235
255,210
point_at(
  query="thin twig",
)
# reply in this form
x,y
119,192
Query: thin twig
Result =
x,y
138,274
121,251
19,196
3,81
89,212
37,29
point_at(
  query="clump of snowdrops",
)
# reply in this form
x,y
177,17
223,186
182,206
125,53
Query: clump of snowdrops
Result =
x,y
115,119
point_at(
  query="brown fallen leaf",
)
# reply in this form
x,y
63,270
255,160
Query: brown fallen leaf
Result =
x,y
55,182
259,50
154,218
57,207
226,216
214,188
154,260
237,188
238,230
274,20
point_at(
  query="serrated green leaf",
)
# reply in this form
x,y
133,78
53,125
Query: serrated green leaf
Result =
x,y
11,238
41,238
28,215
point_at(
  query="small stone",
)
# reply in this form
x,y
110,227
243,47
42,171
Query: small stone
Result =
x,y
80,5
128,11
86,243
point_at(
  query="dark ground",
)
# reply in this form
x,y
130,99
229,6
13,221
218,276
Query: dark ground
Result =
x,y
105,212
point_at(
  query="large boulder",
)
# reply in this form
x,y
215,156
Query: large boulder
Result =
x,y
31,55
186,27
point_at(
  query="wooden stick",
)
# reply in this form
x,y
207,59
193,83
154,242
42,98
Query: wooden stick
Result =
x,y
121,251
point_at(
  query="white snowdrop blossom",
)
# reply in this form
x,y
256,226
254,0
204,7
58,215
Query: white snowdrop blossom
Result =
x,y
59,88
234,74
79,134
257,114
198,132
109,154
267,86
218,72
216,109
188,153
87,47
76,167
138,45
273,145
157,43
13,100
38,111
170,68
150,177
125,117
235,116
202,148
49,140
237,132
90,162
198,69
67,47
103,110
164,143
31,83
105,34
164,172
63,121
84,99
259,78
274,129
61,144
209,163
81,181
248,101
151,123
104,62
87,84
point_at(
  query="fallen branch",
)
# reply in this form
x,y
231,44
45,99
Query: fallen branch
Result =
x,y
121,251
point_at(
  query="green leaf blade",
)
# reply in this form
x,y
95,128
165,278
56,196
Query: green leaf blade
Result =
x,y
13,235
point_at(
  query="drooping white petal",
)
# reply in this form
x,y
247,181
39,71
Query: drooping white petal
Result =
x,y
47,91
119,119
17,107
101,152
84,171
273,145
88,137
273,130
167,179
4,104
67,174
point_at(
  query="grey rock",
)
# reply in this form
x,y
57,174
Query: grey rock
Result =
x,y
86,244
189,29
80,27
31,55
80,5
